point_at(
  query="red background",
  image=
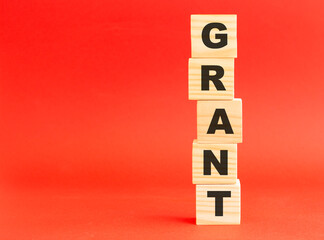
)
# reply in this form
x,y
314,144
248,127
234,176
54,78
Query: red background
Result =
x,y
96,126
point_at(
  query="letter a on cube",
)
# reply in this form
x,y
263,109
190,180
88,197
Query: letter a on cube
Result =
x,y
219,121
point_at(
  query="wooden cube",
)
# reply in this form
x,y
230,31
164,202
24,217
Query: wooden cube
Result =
x,y
213,36
219,121
211,79
218,204
214,163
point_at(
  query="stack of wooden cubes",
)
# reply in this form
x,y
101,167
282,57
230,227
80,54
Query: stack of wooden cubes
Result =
x,y
219,119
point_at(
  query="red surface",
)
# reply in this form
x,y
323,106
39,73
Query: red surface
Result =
x,y
96,128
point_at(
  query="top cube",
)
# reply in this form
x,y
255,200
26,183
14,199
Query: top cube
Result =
x,y
213,36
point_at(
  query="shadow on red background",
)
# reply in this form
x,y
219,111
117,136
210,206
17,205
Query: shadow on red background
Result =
x,y
96,126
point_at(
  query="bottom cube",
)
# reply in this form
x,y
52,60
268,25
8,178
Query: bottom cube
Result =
x,y
218,204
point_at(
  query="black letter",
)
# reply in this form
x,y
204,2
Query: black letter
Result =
x,y
205,77
209,158
220,113
218,195
222,37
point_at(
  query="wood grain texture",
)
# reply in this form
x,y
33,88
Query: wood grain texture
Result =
x,y
199,49
205,206
205,113
195,92
198,176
